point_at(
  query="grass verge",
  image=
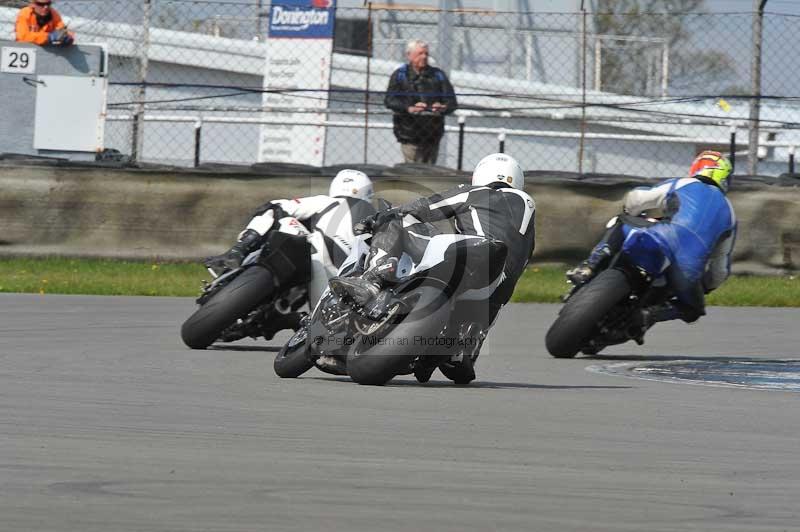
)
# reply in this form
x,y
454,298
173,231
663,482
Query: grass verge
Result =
x,y
546,285
132,278
101,277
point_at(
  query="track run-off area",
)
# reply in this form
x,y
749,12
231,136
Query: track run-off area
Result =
x,y
109,423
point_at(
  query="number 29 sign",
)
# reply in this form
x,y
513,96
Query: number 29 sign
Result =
x,y
18,60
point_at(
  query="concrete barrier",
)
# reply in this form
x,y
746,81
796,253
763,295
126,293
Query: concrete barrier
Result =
x,y
165,214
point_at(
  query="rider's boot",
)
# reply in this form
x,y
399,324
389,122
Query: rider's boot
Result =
x,y
424,368
365,288
586,270
460,368
671,311
656,313
248,241
649,316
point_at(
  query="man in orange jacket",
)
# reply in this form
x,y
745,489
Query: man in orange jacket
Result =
x,y
40,24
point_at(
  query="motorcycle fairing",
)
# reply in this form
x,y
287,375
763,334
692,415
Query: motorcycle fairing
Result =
x,y
642,250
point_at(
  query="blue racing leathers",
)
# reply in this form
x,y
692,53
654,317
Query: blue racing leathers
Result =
x,y
697,236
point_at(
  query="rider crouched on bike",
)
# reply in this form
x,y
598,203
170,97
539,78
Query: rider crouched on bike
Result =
x,y
696,234
494,206
329,220
334,216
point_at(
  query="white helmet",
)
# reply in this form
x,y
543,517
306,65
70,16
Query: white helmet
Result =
x,y
351,183
499,167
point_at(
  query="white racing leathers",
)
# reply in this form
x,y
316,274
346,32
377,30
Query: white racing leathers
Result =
x,y
330,224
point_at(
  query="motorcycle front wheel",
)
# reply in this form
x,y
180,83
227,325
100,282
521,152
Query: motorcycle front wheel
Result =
x,y
293,359
234,300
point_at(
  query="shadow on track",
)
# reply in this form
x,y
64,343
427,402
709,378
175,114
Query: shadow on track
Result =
x,y
478,385
265,348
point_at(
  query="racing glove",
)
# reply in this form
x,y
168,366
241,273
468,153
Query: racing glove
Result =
x,y
370,223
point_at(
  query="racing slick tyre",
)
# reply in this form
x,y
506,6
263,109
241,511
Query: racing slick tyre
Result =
x,y
376,358
293,359
233,301
578,318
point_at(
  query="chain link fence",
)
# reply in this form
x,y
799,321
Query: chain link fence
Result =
x,y
195,82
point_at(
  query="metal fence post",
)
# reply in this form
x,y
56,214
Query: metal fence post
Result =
x,y
461,120
665,70
733,148
260,20
198,135
598,63
366,91
444,35
755,102
501,137
582,140
791,160
137,129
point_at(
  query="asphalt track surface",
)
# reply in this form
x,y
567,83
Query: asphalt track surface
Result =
x,y
108,423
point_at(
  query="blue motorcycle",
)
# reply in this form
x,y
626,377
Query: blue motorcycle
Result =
x,y
607,310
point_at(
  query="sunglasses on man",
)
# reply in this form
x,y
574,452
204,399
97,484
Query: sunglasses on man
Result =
x,y
43,4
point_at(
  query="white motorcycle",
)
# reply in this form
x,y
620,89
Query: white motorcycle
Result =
x,y
266,293
434,316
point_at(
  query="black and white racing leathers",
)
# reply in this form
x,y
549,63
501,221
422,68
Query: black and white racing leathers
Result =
x,y
499,212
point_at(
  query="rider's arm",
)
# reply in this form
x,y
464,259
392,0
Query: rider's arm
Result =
x,y
645,199
719,263
642,199
439,206
658,198
300,208
305,208
261,223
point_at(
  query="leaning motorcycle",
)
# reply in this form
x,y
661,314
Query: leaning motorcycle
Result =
x,y
607,310
260,297
434,316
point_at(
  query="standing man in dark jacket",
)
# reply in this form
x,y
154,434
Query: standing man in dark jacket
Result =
x,y
420,95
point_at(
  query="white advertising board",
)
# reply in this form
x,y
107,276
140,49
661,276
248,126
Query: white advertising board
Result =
x,y
297,78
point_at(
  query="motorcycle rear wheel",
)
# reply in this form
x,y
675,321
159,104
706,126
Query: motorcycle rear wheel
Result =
x,y
580,315
234,300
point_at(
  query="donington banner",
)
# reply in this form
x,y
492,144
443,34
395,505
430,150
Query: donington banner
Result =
x,y
297,78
